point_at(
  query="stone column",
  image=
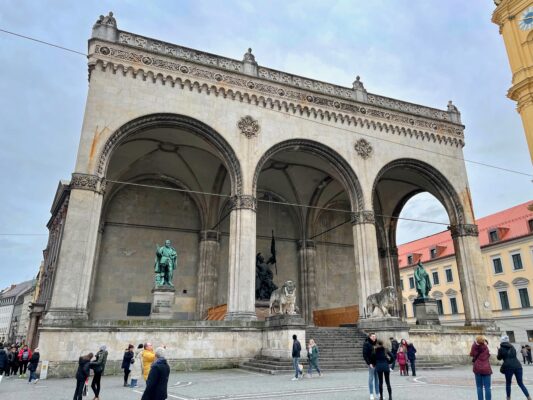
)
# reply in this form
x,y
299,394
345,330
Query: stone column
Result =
x,y
366,256
309,299
472,275
241,274
72,282
207,272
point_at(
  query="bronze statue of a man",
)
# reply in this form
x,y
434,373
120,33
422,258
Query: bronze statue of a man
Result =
x,y
166,260
422,282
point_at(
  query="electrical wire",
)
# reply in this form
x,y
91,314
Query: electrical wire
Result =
x,y
318,122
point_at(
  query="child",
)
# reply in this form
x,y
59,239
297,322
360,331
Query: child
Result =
x,y
401,357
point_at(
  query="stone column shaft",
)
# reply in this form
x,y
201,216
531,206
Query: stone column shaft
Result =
x,y
242,245
307,256
472,275
207,272
366,256
75,264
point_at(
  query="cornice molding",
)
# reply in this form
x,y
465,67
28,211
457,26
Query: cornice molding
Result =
x,y
255,91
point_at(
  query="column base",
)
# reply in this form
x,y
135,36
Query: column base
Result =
x,y
241,316
64,316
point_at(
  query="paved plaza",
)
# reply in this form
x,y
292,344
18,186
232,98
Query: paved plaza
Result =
x,y
237,384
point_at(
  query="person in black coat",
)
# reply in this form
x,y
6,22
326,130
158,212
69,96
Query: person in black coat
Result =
x,y
296,349
82,374
394,346
411,356
368,350
32,366
511,366
4,364
381,358
157,382
126,363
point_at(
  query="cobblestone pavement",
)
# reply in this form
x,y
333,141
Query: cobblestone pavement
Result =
x,y
235,384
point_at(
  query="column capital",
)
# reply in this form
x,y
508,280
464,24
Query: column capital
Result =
x,y
87,182
243,201
463,230
363,217
209,235
306,244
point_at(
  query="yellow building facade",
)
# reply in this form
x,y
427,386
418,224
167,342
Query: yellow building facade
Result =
x,y
506,241
515,19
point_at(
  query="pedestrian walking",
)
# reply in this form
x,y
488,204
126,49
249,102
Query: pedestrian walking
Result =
x,y
148,357
523,350
98,366
32,366
403,344
296,349
381,358
82,374
529,358
481,358
137,366
411,356
4,363
368,349
157,382
402,361
511,366
312,357
24,356
394,346
127,361
13,360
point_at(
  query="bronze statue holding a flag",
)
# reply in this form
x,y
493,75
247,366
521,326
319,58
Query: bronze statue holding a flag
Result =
x,y
264,278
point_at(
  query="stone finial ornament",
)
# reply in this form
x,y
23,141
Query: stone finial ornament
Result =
x,y
248,126
452,107
357,84
249,57
363,148
107,20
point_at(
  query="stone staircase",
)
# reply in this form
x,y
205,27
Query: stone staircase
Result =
x,y
340,349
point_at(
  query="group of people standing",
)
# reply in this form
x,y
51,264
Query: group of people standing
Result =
x,y
142,362
526,354
312,358
19,360
381,362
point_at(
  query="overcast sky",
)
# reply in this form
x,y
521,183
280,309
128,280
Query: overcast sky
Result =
x,y
425,52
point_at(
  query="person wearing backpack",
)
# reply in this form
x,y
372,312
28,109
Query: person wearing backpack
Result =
x,y
381,358
24,358
32,367
98,366
481,358
511,366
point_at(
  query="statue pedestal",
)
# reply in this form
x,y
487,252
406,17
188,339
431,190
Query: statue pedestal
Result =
x,y
426,311
284,321
163,302
385,327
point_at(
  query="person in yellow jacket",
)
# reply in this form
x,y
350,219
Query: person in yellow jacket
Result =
x,y
148,357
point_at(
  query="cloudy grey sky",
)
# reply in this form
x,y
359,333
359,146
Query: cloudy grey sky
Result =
x,y
421,51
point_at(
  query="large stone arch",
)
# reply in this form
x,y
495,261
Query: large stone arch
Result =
x,y
342,167
166,120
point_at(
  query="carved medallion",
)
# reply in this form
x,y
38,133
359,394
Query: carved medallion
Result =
x,y
363,148
248,126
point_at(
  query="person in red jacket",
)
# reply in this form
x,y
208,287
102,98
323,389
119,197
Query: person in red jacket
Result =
x,y
401,357
24,358
480,357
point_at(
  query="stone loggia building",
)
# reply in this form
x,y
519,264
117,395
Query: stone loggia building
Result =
x,y
214,153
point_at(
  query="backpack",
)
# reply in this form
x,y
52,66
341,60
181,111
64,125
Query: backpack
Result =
x,y
25,355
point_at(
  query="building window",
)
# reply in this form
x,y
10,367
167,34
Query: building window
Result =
x,y
493,236
530,225
453,305
411,282
497,263
414,313
524,297
439,307
517,261
504,300
433,253
405,310
511,336
436,277
401,283
449,275
409,260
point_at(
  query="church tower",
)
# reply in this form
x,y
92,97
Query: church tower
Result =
x,y
515,19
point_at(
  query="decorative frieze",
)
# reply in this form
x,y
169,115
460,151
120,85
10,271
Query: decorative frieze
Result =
x,y
248,126
464,230
243,202
246,83
363,217
363,148
85,182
